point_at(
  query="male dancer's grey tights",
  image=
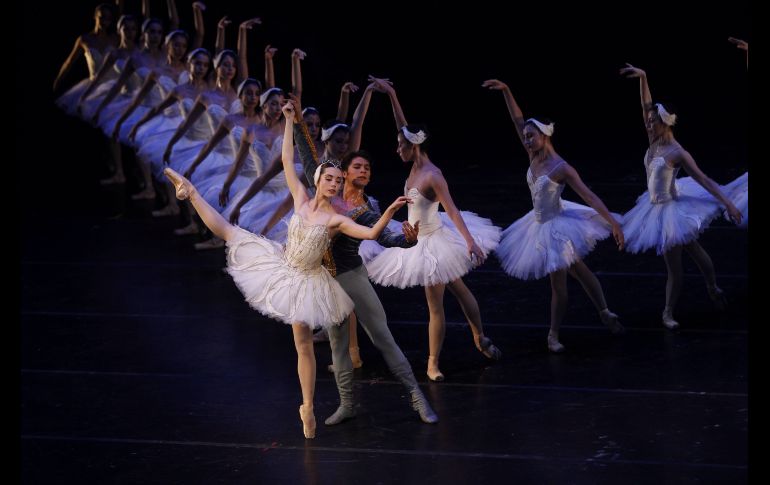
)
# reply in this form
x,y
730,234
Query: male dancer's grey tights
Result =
x,y
371,316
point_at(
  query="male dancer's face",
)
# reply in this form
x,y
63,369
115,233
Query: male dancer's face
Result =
x,y
358,173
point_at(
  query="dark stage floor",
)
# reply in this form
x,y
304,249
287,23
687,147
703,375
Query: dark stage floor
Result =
x,y
141,363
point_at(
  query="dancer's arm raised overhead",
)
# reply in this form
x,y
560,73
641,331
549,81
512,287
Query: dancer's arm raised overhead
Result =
x,y
742,45
510,102
644,90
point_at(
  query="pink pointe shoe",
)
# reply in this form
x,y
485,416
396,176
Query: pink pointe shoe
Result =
x,y
308,421
184,189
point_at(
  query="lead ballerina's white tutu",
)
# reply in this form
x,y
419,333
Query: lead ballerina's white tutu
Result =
x,y
290,284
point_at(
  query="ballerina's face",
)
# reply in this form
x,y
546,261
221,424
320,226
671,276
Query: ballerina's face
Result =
x,y
103,18
250,95
153,36
177,47
330,181
654,124
226,69
128,30
338,144
534,139
272,107
313,122
405,149
199,65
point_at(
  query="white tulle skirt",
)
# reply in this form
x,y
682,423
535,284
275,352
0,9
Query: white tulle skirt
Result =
x,y
279,291
370,249
68,101
678,221
530,249
438,258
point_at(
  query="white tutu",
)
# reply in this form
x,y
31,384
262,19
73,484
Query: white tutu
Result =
x,y
92,102
68,101
153,136
370,249
94,59
209,177
290,286
530,249
677,221
441,253
111,113
197,136
255,213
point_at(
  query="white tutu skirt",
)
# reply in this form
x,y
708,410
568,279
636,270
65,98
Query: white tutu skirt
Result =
x,y
68,101
92,102
128,124
438,258
530,249
279,291
257,212
162,124
370,249
678,221
109,116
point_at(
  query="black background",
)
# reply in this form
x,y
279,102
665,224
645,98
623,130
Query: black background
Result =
x,y
560,60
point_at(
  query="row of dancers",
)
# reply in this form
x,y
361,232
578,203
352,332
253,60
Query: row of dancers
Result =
x,y
223,147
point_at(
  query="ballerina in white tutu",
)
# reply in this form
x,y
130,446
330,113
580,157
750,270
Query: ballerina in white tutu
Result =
x,y
673,212
290,284
449,244
94,45
553,238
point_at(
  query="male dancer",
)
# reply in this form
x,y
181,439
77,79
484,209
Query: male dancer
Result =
x,y
348,269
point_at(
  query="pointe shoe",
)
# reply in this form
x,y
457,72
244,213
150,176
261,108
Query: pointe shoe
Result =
x,y
308,422
486,347
611,321
554,345
184,189
118,178
169,210
355,357
213,243
433,373
668,320
717,297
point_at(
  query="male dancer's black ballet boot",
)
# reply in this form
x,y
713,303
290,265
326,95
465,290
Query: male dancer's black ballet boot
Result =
x,y
403,373
346,409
